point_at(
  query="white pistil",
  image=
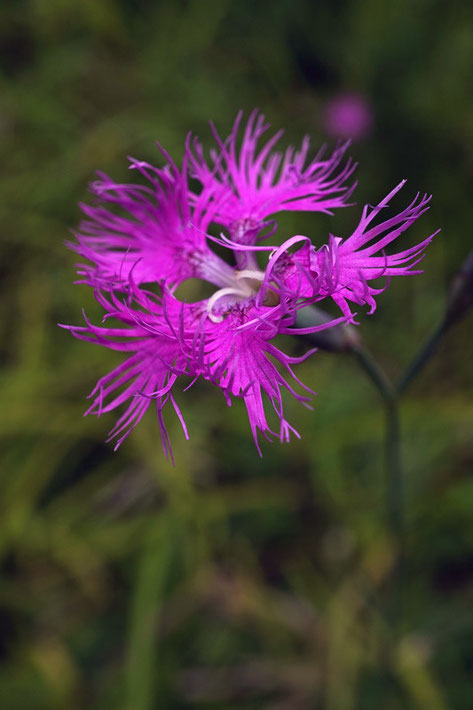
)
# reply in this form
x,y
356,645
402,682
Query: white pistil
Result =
x,y
246,283
250,274
221,293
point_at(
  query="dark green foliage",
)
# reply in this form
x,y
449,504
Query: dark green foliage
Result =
x,y
230,582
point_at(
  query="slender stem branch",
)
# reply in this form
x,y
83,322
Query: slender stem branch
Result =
x,y
390,401
421,358
375,372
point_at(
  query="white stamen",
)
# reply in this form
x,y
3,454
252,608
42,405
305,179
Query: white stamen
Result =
x,y
216,297
246,283
250,274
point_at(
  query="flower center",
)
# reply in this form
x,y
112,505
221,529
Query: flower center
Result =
x,y
245,284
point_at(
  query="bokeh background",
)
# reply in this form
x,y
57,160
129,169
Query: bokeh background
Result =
x,y
229,581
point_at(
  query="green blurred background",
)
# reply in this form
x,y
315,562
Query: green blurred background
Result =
x,y
230,581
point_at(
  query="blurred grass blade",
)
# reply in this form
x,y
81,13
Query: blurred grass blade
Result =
x,y
158,552
413,656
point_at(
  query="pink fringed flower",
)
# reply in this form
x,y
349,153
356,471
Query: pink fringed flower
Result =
x,y
160,236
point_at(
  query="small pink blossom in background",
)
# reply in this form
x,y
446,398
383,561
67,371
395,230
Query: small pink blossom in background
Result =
x,y
348,115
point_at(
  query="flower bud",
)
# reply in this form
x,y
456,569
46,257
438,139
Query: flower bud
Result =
x,y
339,338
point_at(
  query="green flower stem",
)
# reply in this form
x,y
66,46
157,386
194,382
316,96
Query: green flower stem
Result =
x,y
341,339
394,471
375,372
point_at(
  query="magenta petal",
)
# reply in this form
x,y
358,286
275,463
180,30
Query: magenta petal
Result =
x,y
343,269
148,233
149,373
241,363
255,182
